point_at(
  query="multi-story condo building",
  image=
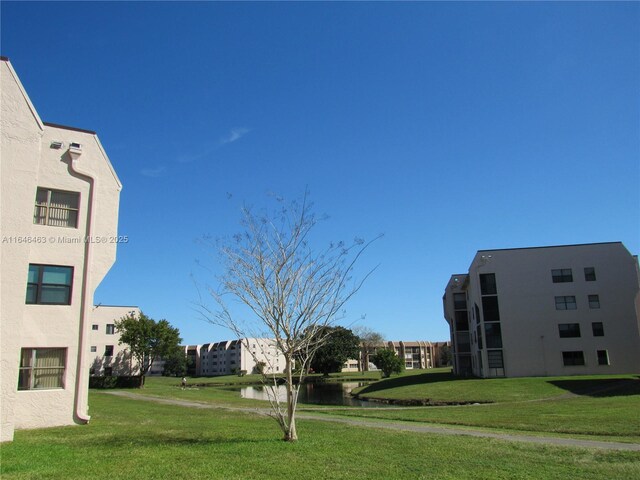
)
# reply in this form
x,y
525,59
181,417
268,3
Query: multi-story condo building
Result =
x,y
106,356
542,311
233,356
59,200
441,354
416,355
193,359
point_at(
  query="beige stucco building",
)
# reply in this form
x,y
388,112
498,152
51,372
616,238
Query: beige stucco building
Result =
x,y
58,227
106,356
419,354
416,355
562,310
233,356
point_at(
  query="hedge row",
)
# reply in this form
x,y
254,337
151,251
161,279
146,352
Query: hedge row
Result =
x,y
114,382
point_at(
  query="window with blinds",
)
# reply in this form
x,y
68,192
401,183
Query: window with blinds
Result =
x,y
56,208
49,285
42,368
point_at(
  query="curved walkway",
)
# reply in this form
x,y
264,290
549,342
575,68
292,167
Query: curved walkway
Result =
x,y
565,442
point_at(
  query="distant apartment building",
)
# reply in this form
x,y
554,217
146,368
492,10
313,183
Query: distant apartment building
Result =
x,y
106,356
59,200
416,355
351,365
441,354
543,311
234,356
193,359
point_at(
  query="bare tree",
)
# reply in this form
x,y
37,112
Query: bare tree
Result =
x,y
292,292
370,341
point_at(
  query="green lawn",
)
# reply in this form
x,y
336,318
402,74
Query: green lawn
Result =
x,y
218,390
129,439
585,406
440,386
603,407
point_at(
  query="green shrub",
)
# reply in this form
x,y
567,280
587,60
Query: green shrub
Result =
x,y
114,382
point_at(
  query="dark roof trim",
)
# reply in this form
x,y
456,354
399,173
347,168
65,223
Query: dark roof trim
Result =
x,y
118,306
3,58
550,246
65,127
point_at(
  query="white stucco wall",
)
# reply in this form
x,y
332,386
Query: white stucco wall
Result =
x,y
29,162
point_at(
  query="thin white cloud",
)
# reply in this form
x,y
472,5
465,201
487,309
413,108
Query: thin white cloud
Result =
x,y
153,172
235,135
197,156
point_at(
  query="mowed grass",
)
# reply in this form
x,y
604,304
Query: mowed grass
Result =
x,y
440,385
596,406
215,390
131,439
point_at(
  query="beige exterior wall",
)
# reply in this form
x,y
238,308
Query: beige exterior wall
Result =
x,y
416,355
438,348
529,319
351,365
103,335
230,356
28,162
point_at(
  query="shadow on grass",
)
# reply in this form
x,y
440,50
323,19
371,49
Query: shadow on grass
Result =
x,y
408,380
606,387
168,439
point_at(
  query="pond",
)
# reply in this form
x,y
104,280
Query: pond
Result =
x,y
317,393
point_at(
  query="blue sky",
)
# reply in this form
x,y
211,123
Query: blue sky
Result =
x,y
449,127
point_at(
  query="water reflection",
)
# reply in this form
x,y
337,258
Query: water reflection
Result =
x,y
317,393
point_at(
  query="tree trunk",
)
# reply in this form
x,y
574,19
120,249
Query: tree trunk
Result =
x,y
141,381
290,435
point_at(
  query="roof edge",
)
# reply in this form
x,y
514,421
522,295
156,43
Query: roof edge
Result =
x,y
66,127
549,246
115,306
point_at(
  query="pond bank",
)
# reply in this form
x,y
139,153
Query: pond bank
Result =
x,y
413,402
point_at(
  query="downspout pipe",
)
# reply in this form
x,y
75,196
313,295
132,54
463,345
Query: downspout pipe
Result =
x,y
81,392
